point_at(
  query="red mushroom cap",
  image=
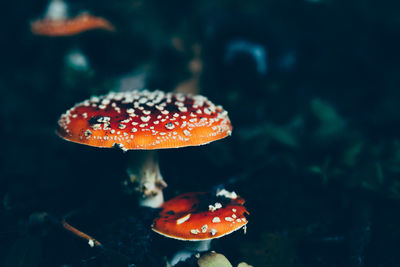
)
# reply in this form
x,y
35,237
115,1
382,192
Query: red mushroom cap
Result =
x,y
71,26
144,120
200,216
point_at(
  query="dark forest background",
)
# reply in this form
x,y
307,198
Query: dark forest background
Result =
x,y
315,148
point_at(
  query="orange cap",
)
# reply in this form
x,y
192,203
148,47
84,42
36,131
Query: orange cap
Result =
x,y
145,120
200,216
70,26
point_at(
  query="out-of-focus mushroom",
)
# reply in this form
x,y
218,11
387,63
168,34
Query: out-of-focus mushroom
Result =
x,y
57,23
144,120
76,60
200,216
244,264
213,259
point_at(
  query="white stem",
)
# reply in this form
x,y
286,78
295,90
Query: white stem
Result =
x,y
190,248
198,246
152,202
144,175
56,10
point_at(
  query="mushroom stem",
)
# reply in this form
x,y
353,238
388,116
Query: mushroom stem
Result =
x,y
56,10
198,246
190,248
145,177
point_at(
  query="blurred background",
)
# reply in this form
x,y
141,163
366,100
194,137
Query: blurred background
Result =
x,y
312,90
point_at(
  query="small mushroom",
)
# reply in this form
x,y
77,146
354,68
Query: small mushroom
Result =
x,y
200,216
213,259
145,120
56,22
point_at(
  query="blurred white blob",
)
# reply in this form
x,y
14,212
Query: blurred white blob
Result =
x,y
76,60
56,10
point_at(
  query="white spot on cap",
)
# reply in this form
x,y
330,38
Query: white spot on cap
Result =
x,y
88,133
169,126
214,207
183,109
213,231
103,119
229,219
145,118
96,126
194,231
183,219
216,220
227,194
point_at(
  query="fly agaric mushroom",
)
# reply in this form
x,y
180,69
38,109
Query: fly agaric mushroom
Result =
x,y
56,22
144,120
200,216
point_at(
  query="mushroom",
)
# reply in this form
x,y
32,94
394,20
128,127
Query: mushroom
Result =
x,y
213,259
145,120
200,216
56,22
